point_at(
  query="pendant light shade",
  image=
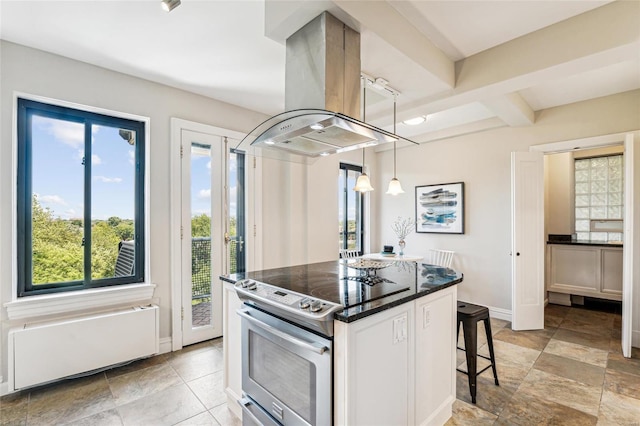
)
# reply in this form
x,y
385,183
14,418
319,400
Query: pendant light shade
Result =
x,y
394,185
363,184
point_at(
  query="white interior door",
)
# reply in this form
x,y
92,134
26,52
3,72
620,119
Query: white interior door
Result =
x,y
527,239
629,214
202,240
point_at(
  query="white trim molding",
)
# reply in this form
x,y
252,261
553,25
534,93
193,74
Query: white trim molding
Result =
x,y
499,313
76,301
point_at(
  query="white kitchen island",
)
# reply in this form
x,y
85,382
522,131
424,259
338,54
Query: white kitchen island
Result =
x,y
393,358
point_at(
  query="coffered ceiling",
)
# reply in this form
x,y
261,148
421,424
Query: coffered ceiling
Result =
x,y
466,65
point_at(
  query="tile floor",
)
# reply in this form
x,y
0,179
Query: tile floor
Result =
x,y
572,373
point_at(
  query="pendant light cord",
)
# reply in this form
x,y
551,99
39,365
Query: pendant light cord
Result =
x,y
394,132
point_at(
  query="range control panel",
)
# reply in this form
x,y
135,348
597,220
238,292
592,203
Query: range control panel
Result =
x,y
291,301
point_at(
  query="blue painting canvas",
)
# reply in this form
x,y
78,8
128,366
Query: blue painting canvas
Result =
x,y
440,208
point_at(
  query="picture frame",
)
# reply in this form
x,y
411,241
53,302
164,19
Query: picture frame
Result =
x,y
440,208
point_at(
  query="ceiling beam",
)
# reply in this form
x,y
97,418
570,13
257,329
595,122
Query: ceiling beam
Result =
x,y
512,109
555,52
384,20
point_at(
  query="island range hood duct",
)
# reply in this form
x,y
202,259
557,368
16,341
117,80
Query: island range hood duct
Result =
x,y
322,98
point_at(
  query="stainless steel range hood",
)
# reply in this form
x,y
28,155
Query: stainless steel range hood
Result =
x,y
322,98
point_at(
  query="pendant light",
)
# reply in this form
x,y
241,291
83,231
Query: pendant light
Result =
x,y
363,184
394,185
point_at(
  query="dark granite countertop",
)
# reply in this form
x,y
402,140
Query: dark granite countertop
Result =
x,y
421,280
586,243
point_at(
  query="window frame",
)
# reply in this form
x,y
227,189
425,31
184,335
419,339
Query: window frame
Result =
x,y
359,230
26,108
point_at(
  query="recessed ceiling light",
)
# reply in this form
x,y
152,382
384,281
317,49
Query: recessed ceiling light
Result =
x,y
317,126
269,142
324,154
415,121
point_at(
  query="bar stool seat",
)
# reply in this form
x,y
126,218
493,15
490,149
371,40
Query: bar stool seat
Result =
x,y
468,316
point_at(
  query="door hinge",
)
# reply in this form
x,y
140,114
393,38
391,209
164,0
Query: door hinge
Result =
x,y
255,230
182,313
181,152
254,162
181,232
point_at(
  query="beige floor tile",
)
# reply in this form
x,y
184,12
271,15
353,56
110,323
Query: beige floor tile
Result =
x,y
138,384
584,339
623,383
199,363
577,352
137,365
13,409
550,387
602,329
505,351
595,317
489,397
202,419
618,362
524,409
209,389
557,310
76,400
570,369
465,414
105,418
616,409
224,416
535,339
551,321
167,407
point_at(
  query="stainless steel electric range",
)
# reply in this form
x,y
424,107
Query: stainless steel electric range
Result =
x,y
287,330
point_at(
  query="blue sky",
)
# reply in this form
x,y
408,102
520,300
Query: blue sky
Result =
x,y
58,149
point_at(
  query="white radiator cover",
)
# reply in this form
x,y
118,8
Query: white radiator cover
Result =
x,y
40,353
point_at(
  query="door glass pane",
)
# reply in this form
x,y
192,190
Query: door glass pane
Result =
x,y
236,245
200,234
113,174
284,374
341,206
57,202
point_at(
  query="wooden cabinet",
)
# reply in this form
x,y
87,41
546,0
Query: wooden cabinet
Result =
x,y
593,271
397,367
232,348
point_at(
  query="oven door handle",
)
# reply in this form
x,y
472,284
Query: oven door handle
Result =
x,y
319,349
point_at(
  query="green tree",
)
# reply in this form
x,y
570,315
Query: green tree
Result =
x,y
57,247
201,226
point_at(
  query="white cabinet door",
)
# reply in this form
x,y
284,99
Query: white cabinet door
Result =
x,y
232,348
527,241
435,372
372,366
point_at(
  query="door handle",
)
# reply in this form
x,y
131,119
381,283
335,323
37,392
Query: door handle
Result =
x,y
319,349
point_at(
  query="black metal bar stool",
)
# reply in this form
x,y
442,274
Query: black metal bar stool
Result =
x,y
469,315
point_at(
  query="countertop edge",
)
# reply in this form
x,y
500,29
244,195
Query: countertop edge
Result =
x,y
584,243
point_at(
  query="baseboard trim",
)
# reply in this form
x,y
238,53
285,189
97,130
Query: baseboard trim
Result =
x,y
4,388
165,345
503,314
635,338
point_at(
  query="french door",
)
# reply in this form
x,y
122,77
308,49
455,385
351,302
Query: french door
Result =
x,y
203,175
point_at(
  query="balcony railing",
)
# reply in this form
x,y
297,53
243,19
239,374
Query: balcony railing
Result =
x,y
201,266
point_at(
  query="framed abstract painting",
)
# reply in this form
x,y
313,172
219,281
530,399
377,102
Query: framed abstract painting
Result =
x,y
440,208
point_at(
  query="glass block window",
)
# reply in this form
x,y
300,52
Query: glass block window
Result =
x,y
599,194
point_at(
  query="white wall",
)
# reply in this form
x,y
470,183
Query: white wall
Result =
x,y
482,162
38,73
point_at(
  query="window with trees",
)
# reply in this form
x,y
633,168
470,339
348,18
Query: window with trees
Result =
x,y
80,199
350,212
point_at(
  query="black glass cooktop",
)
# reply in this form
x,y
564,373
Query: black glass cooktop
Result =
x,y
340,284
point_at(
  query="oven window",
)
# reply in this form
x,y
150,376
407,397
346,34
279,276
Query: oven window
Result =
x,y
285,375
